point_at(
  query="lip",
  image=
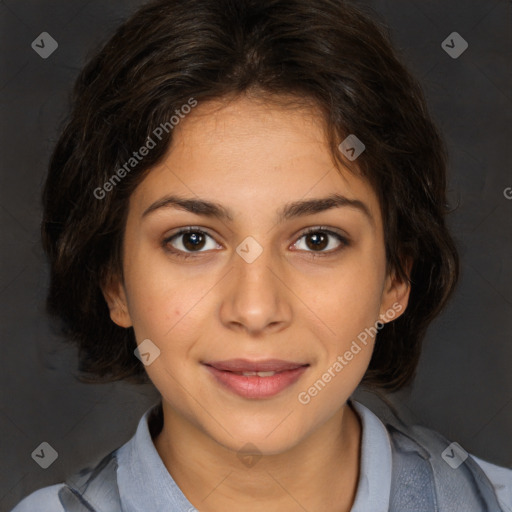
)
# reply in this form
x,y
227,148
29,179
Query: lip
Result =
x,y
255,386
246,365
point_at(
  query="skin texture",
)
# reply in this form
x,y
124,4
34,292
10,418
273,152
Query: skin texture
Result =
x,y
253,158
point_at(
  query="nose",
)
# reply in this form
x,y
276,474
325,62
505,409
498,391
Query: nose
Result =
x,y
255,298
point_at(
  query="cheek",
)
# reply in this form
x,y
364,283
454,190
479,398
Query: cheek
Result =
x,y
159,310
152,311
349,298
170,308
158,296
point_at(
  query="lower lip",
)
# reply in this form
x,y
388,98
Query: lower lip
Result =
x,y
254,386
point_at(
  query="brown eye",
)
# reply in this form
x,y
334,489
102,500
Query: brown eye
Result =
x,y
317,240
188,241
193,241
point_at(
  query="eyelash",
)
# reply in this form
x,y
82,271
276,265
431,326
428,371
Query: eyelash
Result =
x,y
313,254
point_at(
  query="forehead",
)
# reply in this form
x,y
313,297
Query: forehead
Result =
x,y
247,152
272,133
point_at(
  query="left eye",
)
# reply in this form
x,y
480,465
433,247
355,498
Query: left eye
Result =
x,y
321,240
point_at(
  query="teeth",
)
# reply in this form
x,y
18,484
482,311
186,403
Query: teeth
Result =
x,y
259,374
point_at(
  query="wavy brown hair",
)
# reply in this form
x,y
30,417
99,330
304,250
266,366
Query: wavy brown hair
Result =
x,y
328,52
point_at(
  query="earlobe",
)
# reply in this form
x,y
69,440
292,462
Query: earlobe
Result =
x,y
396,295
115,297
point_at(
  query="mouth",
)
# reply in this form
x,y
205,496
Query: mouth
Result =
x,y
256,379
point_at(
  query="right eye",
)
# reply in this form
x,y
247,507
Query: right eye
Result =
x,y
188,241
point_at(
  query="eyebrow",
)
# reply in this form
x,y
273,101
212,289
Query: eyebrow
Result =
x,y
287,212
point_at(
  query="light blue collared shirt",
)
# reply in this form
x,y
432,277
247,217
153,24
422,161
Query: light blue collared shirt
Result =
x,y
145,484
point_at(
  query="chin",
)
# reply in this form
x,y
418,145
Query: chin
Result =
x,y
269,438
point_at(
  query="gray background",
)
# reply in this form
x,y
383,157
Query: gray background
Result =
x,y
464,383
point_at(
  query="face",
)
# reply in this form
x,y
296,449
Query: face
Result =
x,y
282,270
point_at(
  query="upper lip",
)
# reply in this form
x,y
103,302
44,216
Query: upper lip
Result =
x,y
245,365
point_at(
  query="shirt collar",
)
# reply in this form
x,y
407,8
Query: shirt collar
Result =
x,y
374,486
145,484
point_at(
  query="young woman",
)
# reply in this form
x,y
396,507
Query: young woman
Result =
x,y
247,208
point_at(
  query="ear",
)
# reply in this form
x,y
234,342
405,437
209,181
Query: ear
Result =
x,y
115,296
395,295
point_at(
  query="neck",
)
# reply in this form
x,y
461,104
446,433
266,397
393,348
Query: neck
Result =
x,y
319,473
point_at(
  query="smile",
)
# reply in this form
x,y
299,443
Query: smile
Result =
x,y
256,379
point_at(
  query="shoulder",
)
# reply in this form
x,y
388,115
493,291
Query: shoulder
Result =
x,y
432,466
500,477
45,499
457,473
